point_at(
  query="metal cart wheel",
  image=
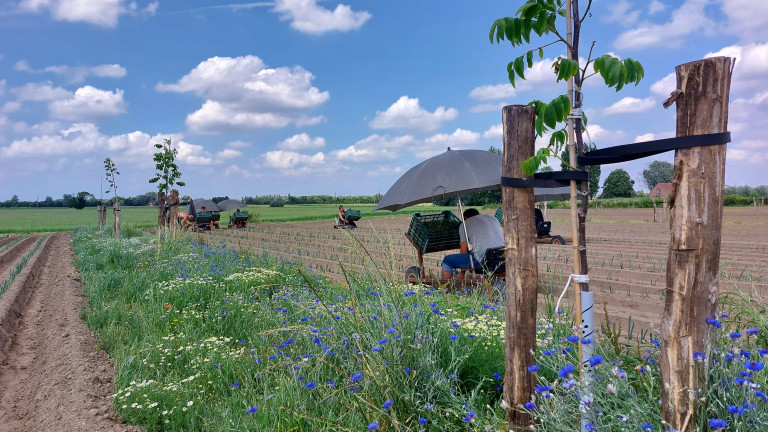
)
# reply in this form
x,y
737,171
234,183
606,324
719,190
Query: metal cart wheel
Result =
x,y
412,275
558,240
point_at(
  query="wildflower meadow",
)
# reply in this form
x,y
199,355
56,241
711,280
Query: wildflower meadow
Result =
x,y
205,337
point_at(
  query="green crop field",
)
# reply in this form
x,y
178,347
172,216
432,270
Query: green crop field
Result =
x,y
29,220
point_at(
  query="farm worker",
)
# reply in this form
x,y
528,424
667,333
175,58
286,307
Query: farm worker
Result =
x,y
344,220
185,219
483,232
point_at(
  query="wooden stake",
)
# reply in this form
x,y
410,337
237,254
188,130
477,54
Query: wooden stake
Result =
x,y
160,211
696,213
174,213
118,222
522,278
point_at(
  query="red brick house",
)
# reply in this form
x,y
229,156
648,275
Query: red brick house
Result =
x,y
661,190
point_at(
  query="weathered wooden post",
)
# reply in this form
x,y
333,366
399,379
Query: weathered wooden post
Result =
x,y
522,276
102,216
655,210
160,210
174,212
117,226
696,211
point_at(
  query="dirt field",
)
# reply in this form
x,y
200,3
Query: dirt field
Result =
x,y
52,377
627,254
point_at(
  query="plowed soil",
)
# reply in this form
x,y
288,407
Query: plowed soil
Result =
x,y
52,376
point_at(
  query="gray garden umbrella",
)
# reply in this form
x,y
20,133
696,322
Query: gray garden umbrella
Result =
x,y
452,173
208,204
231,204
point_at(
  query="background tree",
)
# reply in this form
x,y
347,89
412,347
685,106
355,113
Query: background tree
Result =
x,y
593,171
618,184
109,166
80,200
658,172
165,163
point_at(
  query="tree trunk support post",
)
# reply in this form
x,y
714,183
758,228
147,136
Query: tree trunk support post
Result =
x,y
102,216
118,223
160,210
696,216
522,278
173,216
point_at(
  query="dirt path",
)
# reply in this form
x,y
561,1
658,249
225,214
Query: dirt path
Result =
x,y
52,378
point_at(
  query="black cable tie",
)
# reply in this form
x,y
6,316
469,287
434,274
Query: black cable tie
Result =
x,y
628,152
553,179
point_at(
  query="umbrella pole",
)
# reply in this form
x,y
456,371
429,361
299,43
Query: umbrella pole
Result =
x,y
466,235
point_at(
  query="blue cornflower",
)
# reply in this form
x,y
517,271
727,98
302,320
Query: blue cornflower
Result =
x,y
310,385
646,427
586,341
566,370
383,341
470,416
533,368
596,360
589,427
752,331
572,338
454,337
714,323
735,335
497,375
717,423
377,348
736,410
373,426
569,384
253,409
754,365
388,404
543,389
422,420
355,377
745,353
548,352
330,383
761,395
236,384
529,405
762,352
697,356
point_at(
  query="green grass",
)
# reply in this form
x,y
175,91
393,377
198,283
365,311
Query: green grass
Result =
x,y
30,220
205,338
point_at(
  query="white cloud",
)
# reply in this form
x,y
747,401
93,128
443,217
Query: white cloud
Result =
x,y
373,148
689,19
655,6
307,17
630,105
384,170
746,18
228,154
301,141
40,92
89,103
665,86
284,159
436,144
495,131
493,92
407,114
488,107
751,68
242,94
78,138
193,154
76,73
103,13
621,13
238,144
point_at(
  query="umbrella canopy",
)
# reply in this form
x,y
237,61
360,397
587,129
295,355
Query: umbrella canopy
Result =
x,y
231,204
453,173
208,204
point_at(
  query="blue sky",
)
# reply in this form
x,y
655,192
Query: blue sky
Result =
x,y
307,97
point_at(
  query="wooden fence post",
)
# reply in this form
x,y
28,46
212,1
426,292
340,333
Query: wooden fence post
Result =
x,y
117,226
522,278
696,213
160,210
102,216
174,212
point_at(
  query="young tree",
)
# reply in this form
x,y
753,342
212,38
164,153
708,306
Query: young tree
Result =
x,y
112,173
658,172
165,163
593,171
618,185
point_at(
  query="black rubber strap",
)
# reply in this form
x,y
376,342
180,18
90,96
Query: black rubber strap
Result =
x,y
552,179
628,152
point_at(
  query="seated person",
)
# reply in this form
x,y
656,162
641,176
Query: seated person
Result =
x,y
238,223
483,232
210,224
343,220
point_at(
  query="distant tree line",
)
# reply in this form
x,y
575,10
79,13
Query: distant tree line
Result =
x,y
310,199
80,200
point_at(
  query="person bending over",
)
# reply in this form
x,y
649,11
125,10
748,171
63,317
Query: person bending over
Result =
x,y
483,232
343,220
